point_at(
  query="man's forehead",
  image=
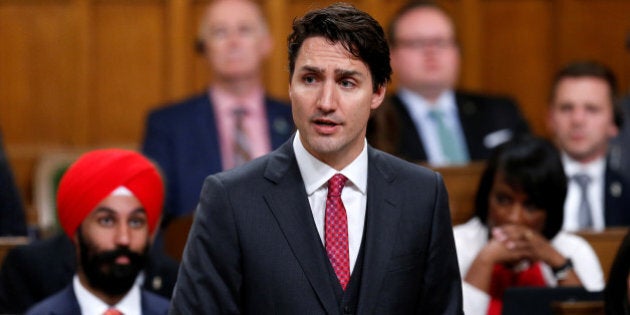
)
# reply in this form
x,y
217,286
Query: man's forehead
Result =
x,y
321,49
108,210
232,12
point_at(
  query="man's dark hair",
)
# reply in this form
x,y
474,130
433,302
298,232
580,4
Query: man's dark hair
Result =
x,y
594,69
533,166
357,31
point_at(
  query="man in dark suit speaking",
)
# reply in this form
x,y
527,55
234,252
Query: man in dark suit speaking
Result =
x,y
427,119
325,224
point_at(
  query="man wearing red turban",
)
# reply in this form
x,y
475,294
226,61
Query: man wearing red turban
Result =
x,y
109,203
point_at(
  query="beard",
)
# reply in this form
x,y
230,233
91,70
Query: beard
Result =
x,y
102,271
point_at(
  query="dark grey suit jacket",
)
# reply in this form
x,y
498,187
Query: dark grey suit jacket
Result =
x,y
254,248
620,145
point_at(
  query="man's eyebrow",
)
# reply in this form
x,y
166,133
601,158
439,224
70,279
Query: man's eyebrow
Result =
x,y
338,72
348,73
109,210
308,68
139,210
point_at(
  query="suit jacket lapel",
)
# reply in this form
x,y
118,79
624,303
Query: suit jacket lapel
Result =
x,y
615,198
468,111
289,203
410,146
280,124
380,227
206,126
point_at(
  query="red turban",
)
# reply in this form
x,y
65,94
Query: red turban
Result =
x,y
96,174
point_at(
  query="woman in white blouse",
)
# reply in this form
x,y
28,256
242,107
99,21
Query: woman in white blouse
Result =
x,y
514,239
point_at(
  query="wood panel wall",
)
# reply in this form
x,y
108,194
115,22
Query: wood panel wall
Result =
x,y
84,73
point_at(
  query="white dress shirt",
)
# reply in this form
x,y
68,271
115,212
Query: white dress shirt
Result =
x,y
316,174
472,236
419,108
90,304
595,192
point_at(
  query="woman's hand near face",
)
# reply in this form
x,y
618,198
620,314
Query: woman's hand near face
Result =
x,y
502,248
528,242
534,247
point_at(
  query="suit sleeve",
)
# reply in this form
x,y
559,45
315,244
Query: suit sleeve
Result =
x,y
521,126
209,280
442,288
158,146
12,217
15,292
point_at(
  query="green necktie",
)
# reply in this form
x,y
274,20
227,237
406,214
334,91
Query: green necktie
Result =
x,y
453,152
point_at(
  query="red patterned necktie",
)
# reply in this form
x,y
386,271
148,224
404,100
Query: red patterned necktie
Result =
x,y
112,311
336,230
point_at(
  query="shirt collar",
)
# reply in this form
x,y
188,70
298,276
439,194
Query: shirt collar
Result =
x,y
226,102
414,102
316,173
594,169
90,304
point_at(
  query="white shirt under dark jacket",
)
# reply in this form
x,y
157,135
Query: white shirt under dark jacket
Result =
x,y
419,108
316,174
595,170
130,304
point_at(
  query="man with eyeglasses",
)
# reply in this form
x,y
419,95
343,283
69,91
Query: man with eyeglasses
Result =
x,y
427,119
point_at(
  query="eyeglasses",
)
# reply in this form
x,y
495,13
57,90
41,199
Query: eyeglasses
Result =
x,y
424,43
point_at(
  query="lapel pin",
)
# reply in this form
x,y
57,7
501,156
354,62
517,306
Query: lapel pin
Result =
x,y
615,189
281,126
156,283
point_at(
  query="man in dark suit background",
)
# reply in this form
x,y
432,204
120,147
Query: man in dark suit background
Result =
x,y
427,119
272,237
196,137
583,118
36,271
12,218
109,203
620,150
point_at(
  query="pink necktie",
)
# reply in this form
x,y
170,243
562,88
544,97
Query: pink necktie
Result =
x,y
336,230
112,311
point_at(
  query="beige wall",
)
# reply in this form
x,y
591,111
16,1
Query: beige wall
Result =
x,y
83,73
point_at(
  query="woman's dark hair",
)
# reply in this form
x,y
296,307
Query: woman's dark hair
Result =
x,y
357,31
531,165
616,292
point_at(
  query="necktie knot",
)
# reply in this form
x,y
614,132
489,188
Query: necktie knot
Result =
x,y
112,311
239,114
335,185
582,180
436,114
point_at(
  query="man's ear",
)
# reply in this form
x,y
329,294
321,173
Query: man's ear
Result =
x,y
378,96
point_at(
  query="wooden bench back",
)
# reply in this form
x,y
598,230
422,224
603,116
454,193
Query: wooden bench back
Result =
x,y
461,183
606,244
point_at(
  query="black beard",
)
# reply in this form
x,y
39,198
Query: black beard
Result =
x,y
102,271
